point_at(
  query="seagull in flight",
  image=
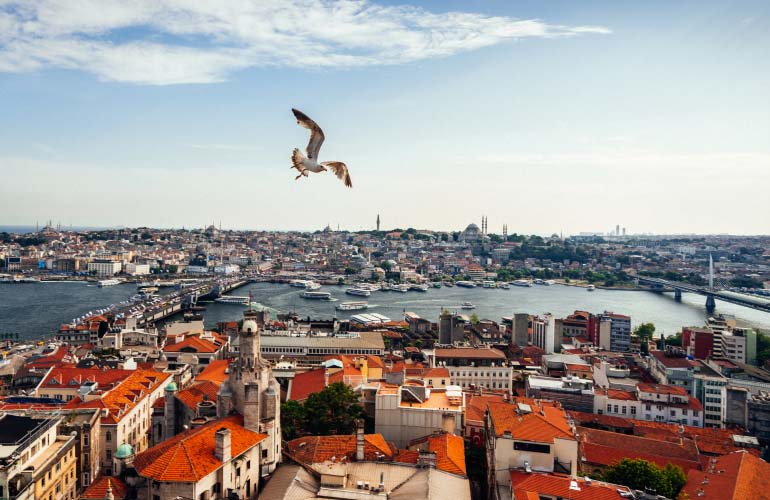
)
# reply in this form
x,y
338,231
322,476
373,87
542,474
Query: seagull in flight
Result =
x,y
310,163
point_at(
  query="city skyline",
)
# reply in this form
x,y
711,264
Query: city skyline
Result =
x,y
547,118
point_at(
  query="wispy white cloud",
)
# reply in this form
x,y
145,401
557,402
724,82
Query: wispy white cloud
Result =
x,y
164,42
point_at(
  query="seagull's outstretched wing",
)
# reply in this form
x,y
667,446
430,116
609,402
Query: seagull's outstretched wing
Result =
x,y
316,134
340,170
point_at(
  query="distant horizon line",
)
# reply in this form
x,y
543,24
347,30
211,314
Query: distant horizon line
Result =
x,y
8,228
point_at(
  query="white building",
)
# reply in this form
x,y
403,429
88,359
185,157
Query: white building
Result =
x,y
137,269
544,333
102,267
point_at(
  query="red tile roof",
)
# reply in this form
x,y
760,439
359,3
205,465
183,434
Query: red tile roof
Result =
x,y
558,485
737,476
674,390
194,343
319,449
605,448
215,371
450,453
534,426
189,456
98,489
476,406
75,377
469,353
309,382
671,361
122,399
198,392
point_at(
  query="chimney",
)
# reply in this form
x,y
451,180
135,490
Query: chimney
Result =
x,y
360,440
222,446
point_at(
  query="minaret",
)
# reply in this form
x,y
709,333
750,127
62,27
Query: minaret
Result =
x,y
378,222
505,232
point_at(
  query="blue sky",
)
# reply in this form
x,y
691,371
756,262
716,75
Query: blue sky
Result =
x,y
545,116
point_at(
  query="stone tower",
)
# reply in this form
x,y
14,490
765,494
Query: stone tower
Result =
x,y
252,391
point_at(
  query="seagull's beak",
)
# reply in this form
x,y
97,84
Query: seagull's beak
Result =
x,y
323,169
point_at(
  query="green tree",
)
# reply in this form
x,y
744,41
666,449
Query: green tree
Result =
x,y
646,476
644,331
475,319
334,410
292,419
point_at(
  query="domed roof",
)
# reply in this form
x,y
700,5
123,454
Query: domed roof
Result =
x,y
472,227
171,386
249,326
124,451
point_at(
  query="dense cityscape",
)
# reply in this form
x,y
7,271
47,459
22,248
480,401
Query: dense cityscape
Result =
x,y
145,398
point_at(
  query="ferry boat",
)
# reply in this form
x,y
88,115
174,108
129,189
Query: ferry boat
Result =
x,y
467,305
351,306
109,282
466,284
232,299
312,285
298,283
488,284
310,294
522,283
403,288
590,288
419,288
358,291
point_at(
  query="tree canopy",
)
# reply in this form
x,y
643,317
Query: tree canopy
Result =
x,y
334,410
646,476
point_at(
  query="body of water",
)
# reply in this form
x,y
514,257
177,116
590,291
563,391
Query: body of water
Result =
x,y
37,309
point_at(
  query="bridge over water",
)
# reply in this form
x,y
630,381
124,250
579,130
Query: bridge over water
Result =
x,y
711,294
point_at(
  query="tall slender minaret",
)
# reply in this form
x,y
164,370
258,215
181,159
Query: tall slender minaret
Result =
x,y
378,222
505,231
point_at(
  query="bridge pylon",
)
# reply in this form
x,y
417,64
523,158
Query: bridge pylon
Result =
x,y
677,294
711,304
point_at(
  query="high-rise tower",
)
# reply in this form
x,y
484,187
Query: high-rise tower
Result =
x,y
378,222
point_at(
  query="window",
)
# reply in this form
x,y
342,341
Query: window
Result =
x,y
533,447
623,410
633,410
609,408
108,436
109,454
248,464
85,439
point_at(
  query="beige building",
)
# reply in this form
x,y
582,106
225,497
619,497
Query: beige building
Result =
x,y
408,412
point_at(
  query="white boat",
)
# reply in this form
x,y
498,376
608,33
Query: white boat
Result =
x,y
419,288
109,282
549,282
351,306
298,283
466,284
358,291
232,299
504,286
467,305
310,294
538,281
488,284
403,288
590,288
522,283
312,285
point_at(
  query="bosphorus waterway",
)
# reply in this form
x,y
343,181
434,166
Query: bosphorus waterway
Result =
x,y
37,309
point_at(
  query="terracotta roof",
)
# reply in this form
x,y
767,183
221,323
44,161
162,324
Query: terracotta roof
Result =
x,y
535,426
306,383
75,377
450,453
214,372
469,353
198,392
621,395
318,449
189,456
98,489
436,372
606,448
577,367
121,399
674,390
196,343
558,485
374,361
671,361
476,405
737,476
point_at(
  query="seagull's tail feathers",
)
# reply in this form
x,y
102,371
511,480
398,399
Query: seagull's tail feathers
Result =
x,y
296,160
